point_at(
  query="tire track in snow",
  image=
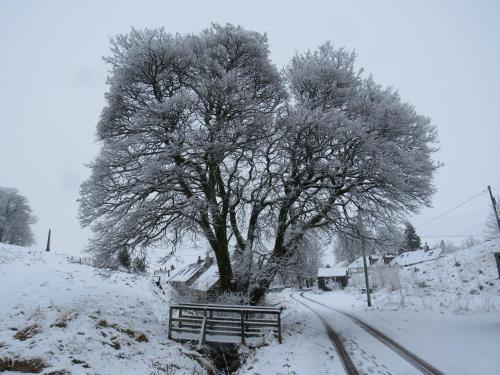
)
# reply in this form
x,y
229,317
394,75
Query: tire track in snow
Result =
x,y
334,338
420,364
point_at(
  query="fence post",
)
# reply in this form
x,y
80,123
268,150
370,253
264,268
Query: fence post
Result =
x,y
242,329
170,324
279,327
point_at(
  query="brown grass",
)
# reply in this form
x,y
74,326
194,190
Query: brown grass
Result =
x,y
27,332
30,365
136,335
63,320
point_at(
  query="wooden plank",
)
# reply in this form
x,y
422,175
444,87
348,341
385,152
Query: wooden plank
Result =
x,y
190,320
192,326
211,333
194,318
186,330
225,309
242,330
201,340
170,324
250,329
228,329
279,329
247,322
232,306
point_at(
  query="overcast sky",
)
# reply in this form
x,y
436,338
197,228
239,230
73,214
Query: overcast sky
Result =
x,y
443,57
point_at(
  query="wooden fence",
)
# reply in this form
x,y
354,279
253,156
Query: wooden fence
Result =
x,y
222,323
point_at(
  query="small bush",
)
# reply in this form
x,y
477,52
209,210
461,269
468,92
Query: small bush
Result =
x,y
27,332
31,365
139,265
386,277
63,320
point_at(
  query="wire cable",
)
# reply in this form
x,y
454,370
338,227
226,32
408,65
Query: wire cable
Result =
x,y
453,209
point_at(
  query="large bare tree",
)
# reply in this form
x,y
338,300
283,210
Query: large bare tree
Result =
x,y
201,134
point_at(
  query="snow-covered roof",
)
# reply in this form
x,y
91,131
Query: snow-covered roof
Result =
x,y
332,272
342,263
186,273
358,263
207,279
417,256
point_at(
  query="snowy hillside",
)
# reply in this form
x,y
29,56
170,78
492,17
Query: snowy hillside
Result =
x,y
71,317
446,311
465,281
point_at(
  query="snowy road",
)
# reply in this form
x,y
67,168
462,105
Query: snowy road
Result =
x,y
366,350
332,335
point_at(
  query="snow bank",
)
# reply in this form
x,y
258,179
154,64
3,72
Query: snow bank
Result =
x,y
78,318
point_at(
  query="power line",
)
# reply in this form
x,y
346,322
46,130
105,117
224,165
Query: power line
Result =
x,y
450,235
451,210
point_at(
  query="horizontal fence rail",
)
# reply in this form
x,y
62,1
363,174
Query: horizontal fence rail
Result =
x,y
222,323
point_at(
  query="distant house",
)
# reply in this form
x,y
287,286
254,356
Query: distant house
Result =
x,y
332,277
371,260
201,277
207,284
357,265
382,260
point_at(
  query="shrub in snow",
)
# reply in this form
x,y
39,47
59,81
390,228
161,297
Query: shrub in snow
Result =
x,y
28,332
385,277
139,265
29,365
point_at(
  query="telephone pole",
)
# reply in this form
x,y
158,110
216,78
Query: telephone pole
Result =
x,y
365,267
494,204
368,296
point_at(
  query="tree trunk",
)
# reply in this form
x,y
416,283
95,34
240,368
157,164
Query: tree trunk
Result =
x,y
226,280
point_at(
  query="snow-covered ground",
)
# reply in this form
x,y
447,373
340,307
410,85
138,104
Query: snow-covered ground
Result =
x,y
73,317
305,350
446,312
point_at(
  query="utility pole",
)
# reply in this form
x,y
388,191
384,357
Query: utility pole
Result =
x,y
48,242
494,204
365,267
369,300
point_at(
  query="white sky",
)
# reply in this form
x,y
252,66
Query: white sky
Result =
x,y
443,57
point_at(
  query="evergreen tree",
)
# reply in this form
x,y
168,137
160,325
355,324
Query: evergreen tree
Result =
x,y
412,240
124,258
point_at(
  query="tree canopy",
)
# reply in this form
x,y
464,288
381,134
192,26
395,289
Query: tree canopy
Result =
x,y
15,218
203,135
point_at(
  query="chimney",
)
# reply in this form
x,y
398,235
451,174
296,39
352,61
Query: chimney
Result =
x,y
199,260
